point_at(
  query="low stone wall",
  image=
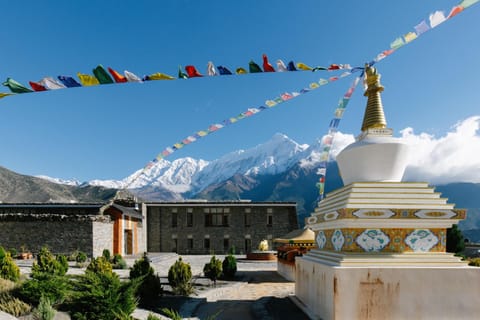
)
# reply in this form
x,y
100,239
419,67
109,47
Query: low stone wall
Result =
x,y
286,269
62,234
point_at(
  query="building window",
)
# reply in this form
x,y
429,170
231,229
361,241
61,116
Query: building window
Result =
x,y
206,243
189,243
226,244
189,219
269,219
247,219
174,220
248,245
216,217
175,245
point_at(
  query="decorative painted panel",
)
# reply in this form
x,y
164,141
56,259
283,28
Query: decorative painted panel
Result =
x,y
372,240
382,240
338,240
421,240
321,239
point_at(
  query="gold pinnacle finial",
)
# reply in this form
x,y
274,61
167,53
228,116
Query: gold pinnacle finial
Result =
x,y
374,116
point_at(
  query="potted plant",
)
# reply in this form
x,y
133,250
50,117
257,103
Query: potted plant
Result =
x,y
25,254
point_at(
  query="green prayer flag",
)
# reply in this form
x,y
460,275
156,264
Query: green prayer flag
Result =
x,y
468,3
181,75
16,87
253,67
102,75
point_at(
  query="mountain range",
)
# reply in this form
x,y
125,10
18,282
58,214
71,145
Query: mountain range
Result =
x,y
277,170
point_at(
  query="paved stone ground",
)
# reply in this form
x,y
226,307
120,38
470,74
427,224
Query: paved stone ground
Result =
x,y
257,292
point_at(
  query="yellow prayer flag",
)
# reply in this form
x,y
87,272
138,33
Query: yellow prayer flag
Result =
x,y
4,94
303,66
160,76
410,37
87,80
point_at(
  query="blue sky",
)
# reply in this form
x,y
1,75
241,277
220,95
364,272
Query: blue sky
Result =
x,y
109,131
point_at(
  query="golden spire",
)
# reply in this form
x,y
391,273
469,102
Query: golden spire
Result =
x,y
374,116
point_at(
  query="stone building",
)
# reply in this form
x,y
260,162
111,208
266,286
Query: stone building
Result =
x,y
64,228
200,227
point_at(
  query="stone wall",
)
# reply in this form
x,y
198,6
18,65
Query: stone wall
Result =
x,y
102,236
62,234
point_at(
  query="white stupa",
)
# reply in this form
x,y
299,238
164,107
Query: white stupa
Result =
x,y
381,243
375,156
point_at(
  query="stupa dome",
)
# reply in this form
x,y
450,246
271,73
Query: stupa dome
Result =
x,y
375,156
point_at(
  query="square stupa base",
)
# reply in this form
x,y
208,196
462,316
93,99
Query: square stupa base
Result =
x,y
352,287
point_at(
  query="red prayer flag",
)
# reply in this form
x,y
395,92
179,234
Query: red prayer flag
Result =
x,y
267,67
117,76
192,72
36,86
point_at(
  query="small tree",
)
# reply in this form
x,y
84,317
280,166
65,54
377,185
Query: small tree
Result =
x,y
44,311
455,241
213,269
8,268
150,286
100,265
229,266
106,254
47,263
179,277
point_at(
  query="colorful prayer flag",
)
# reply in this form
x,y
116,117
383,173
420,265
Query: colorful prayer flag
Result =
x,y
102,75
87,80
410,37
281,66
159,76
322,82
181,75
211,69
69,82
468,3
224,71
51,84
455,10
5,94
192,72
117,76
314,85
15,86
131,77
397,43
303,66
436,18
253,67
291,66
421,28
241,71
37,86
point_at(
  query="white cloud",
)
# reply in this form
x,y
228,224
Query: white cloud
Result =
x,y
454,157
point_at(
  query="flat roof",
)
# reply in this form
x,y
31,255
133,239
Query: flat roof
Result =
x,y
241,203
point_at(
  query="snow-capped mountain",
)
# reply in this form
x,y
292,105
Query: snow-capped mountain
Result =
x,y
191,175
69,182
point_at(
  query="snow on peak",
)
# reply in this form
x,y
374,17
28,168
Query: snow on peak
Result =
x,y
271,157
69,182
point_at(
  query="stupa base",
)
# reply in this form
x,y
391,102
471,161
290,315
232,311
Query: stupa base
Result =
x,y
387,289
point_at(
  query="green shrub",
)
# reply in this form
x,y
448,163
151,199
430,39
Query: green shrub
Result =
x,y
47,263
152,317
81,257
102,296
7,285
44,311
53,287
8,268
13,305
179,278
118,262
213,269
172,314
13,252
100,265
475,262
229,266
63,263
150,286
106,254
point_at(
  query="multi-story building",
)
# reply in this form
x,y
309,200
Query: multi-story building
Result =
x,y
201,227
